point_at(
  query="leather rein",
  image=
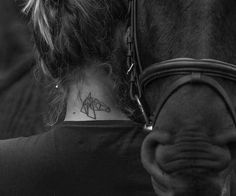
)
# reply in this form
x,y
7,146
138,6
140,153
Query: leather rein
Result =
x,y
191,71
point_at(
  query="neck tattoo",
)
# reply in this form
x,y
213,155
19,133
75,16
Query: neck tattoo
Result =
x,y
91,105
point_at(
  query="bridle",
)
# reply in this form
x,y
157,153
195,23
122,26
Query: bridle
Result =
x,y
190,70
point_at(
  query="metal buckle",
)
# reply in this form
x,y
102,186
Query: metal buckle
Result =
x,y
148,125
148,128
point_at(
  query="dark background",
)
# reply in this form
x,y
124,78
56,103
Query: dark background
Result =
x,y
15,36
22,97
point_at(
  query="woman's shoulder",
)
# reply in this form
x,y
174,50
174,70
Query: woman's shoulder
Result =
x,y
71,133
102,155
78,140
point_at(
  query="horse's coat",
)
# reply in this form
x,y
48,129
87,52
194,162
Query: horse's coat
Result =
x,y
194,122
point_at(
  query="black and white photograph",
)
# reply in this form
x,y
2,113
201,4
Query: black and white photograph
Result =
x,y
117,97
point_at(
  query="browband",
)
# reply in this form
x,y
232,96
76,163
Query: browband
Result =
x,y
184,66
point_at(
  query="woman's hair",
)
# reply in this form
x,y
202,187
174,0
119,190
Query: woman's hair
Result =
x,y
68,33
71,33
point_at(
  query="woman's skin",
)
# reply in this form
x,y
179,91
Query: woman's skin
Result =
x,y
92,99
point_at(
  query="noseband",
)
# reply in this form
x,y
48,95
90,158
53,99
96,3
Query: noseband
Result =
x,y
191,71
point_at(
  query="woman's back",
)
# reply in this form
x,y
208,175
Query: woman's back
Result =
x,y
76,158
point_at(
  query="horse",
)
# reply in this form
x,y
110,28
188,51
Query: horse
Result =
x,y
187,54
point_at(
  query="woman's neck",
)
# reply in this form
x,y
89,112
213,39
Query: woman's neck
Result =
x,y
93,100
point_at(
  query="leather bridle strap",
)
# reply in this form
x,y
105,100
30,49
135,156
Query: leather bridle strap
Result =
x,y
190,71
133,58
133,52
187,65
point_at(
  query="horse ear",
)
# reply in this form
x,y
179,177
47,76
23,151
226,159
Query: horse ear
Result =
x,y
160,180
40,14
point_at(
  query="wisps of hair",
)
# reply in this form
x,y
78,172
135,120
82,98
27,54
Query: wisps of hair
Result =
x,y
70,33
40,19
